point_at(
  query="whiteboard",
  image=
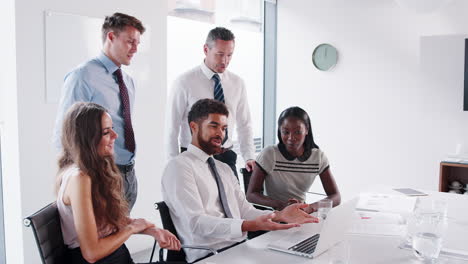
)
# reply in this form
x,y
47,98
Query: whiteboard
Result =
x,y
74,39
69,41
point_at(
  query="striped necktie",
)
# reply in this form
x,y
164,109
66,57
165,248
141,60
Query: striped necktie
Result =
x,y
218,88
219,95
128,128
221,190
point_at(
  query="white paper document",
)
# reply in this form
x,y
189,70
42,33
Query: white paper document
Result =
x,y
378,229
378,223
386,203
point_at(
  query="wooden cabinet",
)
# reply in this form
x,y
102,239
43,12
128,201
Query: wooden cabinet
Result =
x,y
450,172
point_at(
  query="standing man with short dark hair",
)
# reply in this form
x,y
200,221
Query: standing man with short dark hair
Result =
x,y
207,206
100,80
212,80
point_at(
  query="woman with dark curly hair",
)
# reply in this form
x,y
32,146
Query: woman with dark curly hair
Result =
x,y
288,169
93,210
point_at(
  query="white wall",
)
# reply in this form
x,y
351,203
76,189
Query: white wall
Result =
x,y
36,118
392,107
9,136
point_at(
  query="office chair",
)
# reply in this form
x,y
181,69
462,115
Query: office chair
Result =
x,y
45,224
172,256
246,175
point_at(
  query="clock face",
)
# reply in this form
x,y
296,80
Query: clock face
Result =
x,y
324,57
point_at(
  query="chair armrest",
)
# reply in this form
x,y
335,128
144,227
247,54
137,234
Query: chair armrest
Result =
x,y
212,250
262,207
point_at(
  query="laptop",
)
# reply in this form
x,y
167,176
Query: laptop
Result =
x,y
311,240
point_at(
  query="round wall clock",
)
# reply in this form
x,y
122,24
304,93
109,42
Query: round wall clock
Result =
x,y
324,57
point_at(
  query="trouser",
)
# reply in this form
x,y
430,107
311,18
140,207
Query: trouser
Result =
x,y
119,256
229,157
130,183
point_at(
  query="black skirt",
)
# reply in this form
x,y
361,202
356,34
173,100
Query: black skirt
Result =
x,y
119,256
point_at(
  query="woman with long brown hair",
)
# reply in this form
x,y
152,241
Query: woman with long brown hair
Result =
x,y
93,211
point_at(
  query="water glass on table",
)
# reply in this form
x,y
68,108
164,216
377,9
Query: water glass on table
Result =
x,y
324,206
429,226
436,206
440,206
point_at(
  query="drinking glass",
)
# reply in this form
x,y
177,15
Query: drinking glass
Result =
x,y
429,228
324,206
438,207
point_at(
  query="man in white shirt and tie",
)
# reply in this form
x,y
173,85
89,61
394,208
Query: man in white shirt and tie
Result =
x,y
211,79
207,206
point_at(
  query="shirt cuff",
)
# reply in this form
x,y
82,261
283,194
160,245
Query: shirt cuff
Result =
x,y
236,228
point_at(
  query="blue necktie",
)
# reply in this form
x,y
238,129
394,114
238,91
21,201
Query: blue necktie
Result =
x,y
218,88
221,191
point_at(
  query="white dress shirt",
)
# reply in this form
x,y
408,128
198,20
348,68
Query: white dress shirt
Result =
x,y
190,191
197,84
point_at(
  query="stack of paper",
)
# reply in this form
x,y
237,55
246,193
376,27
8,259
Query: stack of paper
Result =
x,y
386,203
379,223
381,214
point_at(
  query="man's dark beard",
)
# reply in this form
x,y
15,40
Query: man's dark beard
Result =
x,y
207,147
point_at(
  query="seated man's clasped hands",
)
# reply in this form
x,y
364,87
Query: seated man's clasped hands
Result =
x,y
207,206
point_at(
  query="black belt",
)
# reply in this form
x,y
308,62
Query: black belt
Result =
x,y
126,168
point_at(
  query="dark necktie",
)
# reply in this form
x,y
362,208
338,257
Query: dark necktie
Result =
x,y
221,191
218,88
219,94
128,129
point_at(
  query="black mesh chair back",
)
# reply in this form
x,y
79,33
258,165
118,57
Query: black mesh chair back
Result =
x,y
173,256
169,225
246,176
45,225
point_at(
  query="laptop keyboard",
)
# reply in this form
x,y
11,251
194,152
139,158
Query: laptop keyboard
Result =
x,y
306,246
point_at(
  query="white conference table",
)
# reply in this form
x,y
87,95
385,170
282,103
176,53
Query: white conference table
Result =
x,y
363,248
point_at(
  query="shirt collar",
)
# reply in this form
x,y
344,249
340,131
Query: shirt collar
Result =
x,y
107,62
208,72
199,154
305,156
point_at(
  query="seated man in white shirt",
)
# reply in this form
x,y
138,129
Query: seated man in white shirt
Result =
x,y
206,203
